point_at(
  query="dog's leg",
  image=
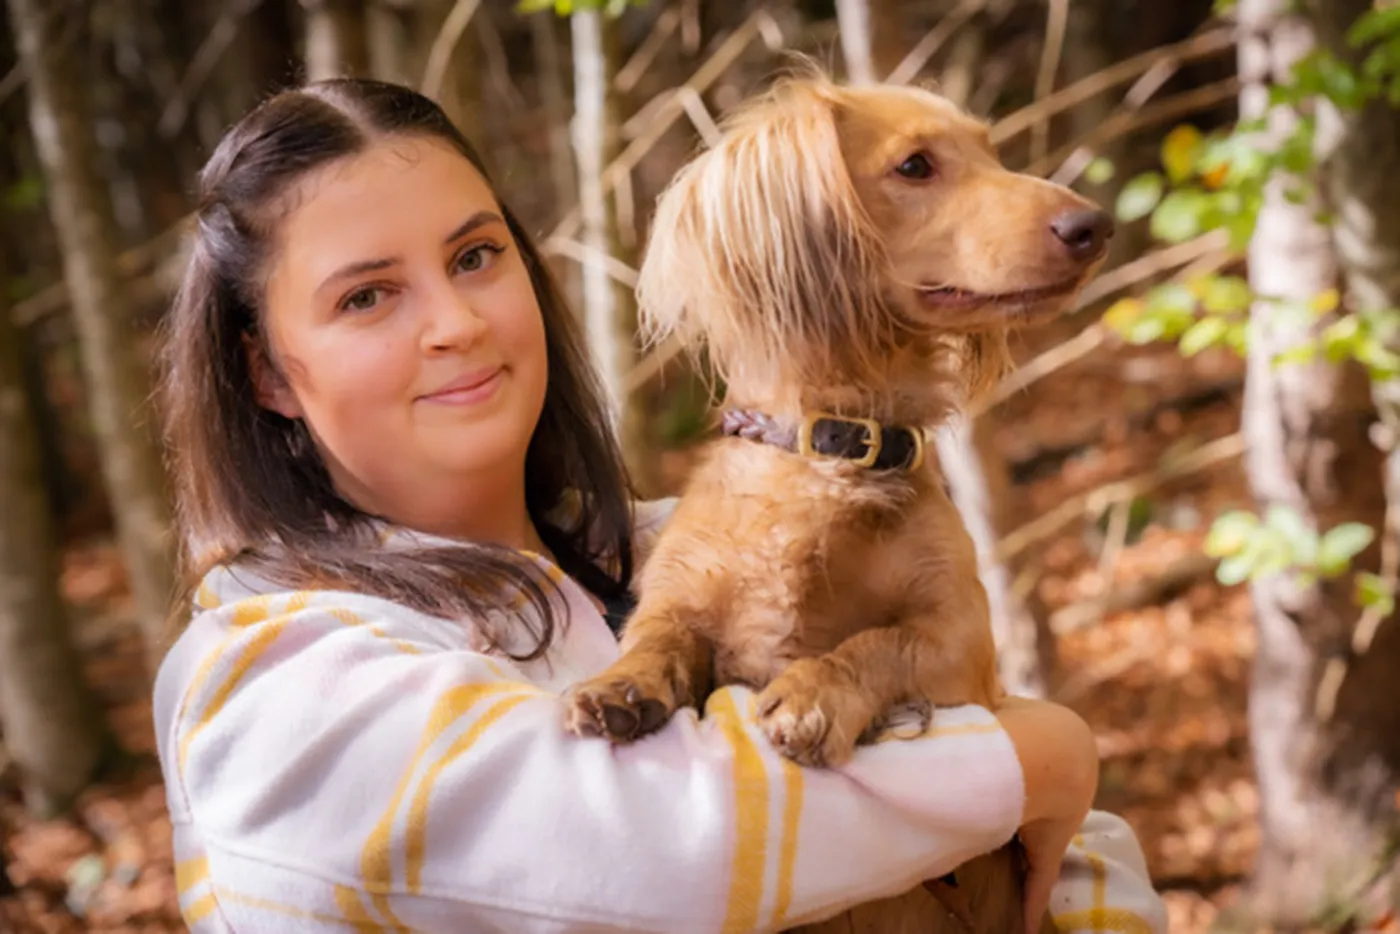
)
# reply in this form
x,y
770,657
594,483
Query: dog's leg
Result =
x,y
819,708
665,664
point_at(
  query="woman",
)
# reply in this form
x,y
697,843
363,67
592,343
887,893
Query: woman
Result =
x,y
408,531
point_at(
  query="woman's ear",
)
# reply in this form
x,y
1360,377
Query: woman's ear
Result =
x,y
269,385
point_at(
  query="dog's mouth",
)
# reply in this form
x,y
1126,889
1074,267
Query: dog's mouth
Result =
x,y
951,296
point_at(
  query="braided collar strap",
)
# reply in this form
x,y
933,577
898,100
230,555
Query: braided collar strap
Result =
x,y
864,441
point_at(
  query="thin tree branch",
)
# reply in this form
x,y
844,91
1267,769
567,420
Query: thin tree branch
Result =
x,y
630,73
206,57
1123,123
760,24
913,63
1056,24
440,56
1212,246
1096,501
589,256
158,251
1197,47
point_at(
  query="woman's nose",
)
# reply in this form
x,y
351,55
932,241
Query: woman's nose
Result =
x,y
453,322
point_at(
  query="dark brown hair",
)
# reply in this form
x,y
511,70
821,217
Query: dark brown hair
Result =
x,y
251,489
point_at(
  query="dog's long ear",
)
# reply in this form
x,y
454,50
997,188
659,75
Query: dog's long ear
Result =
x,y
761,249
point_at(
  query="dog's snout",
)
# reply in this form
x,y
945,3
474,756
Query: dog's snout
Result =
x,y
1084,232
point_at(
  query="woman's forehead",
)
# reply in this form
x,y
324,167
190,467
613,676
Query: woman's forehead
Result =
x,y
394,196
394,170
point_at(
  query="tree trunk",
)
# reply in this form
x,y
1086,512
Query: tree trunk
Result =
x,y
337,42
1325,785
53,729
610,312
979,484
113,371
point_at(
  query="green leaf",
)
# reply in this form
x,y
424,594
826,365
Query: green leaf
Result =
x,y
1179,215
1340,338
1234,570
1340,545
25,194
1139,196
1180,150
1098,171
1299,353
1225,294
1287,521
1205,333
1237,337
1374,593
1377,23
1229,533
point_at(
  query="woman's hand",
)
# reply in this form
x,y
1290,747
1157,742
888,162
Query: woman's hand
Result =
x,y
1060,762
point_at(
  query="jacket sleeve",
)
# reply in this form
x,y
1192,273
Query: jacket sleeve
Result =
x,y
1104,883
323,762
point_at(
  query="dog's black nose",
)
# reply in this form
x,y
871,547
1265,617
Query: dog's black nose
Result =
x,y
1084,232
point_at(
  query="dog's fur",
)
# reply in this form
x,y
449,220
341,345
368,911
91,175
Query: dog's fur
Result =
x,y
816,270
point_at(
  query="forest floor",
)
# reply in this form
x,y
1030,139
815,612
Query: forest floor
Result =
x,y
1163,683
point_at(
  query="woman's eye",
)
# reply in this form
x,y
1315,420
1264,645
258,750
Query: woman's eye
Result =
x,y
917,167
478,257
361,299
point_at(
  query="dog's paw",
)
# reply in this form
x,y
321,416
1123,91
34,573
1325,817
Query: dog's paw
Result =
x,y
622,709
811,715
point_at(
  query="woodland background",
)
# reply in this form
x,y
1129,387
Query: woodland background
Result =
x,y
1185,498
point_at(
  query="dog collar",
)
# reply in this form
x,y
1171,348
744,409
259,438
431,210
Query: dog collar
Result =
x,y
864,441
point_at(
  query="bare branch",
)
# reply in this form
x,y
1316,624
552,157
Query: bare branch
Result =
x,y
699,115
1188,569
1197,47
588,256
1123,123
201,66
1056,24
440,56
161,251
1211,246
761,23
913,63
630,73
12,82
1096,501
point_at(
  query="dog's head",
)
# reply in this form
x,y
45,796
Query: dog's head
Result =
x,y
831,229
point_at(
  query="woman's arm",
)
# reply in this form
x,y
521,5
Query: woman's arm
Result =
x,y
329,762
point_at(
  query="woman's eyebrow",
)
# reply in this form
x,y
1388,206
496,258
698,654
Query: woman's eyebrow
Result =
x,y
479,219
351,270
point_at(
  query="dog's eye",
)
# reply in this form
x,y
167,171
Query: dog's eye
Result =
x,y
916,167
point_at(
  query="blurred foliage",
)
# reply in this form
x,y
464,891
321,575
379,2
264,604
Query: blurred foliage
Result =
x,y
1216,181
568,7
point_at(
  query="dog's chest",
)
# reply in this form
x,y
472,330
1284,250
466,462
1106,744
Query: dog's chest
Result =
x,y
799,590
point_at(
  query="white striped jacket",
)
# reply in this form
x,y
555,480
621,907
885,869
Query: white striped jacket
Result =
x,y
335,762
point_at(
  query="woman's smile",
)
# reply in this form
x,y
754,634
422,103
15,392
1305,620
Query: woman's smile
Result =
x,y
471,388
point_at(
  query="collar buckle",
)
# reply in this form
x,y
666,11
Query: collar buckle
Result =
x,y
873,440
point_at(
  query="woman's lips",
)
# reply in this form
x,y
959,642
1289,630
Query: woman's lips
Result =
x,y
469,389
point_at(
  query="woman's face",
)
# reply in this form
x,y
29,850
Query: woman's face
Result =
x,y
404,330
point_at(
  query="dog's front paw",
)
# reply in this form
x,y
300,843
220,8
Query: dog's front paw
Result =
x,y
813,715
621,707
